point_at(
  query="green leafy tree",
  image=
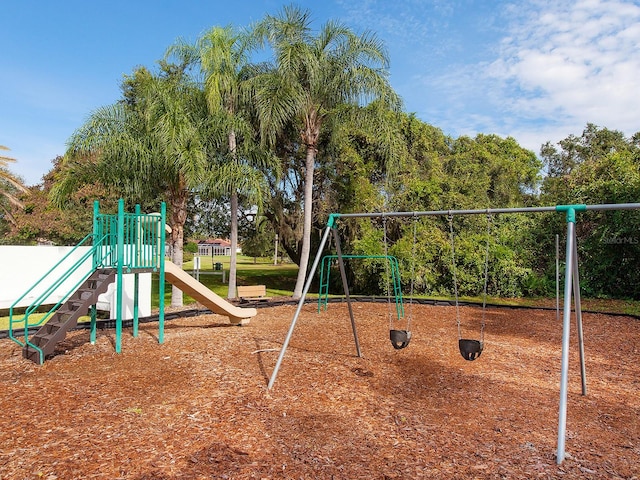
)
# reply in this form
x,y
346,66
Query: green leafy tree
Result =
x,y
609,240
426,170
223,56
11,188
599,166
40,220
207,218
258,238
149,146
312,76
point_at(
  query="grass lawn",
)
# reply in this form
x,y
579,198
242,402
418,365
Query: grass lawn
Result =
x,y
280,280
33,319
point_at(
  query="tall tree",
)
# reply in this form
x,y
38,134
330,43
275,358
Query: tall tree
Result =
x,y
599,166
148,146
223,56
10,187
311,77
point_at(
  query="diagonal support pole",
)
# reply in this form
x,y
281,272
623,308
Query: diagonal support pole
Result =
x,y
578,309
305,290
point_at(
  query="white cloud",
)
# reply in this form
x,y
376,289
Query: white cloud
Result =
x,y
557,67
579,59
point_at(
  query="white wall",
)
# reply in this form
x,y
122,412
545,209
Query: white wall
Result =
x,y
107,301
21,267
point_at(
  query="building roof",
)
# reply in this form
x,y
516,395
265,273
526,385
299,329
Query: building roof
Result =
x,y
219,242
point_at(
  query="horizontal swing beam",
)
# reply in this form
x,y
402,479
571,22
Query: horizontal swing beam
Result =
x,y
485,211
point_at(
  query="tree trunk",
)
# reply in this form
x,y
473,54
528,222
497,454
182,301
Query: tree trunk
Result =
x,y
233,260
178,202
308,215
234,246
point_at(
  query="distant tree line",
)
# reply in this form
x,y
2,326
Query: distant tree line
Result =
x,y
600,166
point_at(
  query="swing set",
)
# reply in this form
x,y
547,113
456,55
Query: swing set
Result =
x,y
472,348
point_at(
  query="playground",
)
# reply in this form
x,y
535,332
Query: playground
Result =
x,y
197,406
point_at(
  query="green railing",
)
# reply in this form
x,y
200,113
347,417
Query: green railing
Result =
x,y
323,296
55,277
140,248
128,242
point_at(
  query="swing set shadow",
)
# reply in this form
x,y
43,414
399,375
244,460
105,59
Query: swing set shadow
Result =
x,y
472,348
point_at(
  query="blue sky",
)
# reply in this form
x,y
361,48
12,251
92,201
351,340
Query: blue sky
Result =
x,y
536,70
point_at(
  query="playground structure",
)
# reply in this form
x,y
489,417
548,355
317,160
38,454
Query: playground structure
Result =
x,y
571,288
122,243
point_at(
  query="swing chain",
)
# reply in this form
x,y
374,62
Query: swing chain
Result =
x,y
486,277
386,270
453,269
413,270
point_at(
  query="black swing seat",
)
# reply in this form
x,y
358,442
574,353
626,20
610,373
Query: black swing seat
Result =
x,y
399,338
470,349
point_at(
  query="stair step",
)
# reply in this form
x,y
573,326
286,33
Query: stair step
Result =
x,y
42,340
66,317
83,292
57,319
31,354
52,327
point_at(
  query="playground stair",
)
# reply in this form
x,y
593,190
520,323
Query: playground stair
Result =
x,y
66,317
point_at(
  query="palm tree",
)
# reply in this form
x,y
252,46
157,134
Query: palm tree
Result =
x,y
223,56
10,185
312,76
147,147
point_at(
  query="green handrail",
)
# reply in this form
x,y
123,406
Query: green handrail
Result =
x,y
37,303
139,238
38,282
64,298
323,295
126,241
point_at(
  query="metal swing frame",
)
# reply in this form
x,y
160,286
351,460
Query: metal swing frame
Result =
x,y
571,288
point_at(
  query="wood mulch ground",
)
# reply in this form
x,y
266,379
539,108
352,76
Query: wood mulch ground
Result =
x,y
197,406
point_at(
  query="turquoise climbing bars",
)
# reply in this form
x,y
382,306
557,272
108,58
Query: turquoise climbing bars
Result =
x,y
129,242
133,239
137,242
325,266
161,259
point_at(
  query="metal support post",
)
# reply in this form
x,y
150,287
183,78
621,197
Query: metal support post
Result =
x,y
120,276
566,326
139,245
343,274
578,308
307,285
96,236
160,241
557,277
